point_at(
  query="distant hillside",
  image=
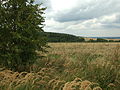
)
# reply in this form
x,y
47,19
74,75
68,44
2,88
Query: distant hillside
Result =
x,y
60,37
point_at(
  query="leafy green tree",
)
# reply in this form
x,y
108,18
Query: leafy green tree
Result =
x,y
21,22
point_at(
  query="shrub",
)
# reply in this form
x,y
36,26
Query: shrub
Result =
x,y
20,28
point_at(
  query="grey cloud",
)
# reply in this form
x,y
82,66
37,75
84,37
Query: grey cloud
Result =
x,y
108,21
118,19
94,9
115,18
111,26
111,22
95,18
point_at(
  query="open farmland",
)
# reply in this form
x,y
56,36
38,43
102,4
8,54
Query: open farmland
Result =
x,y
70,66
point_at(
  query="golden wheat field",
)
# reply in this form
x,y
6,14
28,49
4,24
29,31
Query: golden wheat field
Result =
x,y
69,66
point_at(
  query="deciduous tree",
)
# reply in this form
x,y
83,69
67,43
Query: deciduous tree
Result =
x,y
21,22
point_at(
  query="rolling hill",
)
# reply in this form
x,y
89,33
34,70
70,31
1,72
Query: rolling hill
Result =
x,y
60,37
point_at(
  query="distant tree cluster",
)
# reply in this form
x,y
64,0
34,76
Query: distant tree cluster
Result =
x,y
102,40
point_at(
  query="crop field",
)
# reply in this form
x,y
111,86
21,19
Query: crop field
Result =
x,y
69,66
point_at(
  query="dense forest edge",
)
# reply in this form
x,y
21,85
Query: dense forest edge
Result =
x,y
61,37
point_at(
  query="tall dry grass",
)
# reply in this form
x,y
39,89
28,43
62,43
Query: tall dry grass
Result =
x,y
70,66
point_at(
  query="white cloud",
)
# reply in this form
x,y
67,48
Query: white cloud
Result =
x,y
111,18
84,17
98,23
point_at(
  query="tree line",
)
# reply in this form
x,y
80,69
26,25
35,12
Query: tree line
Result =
x,y
102,40
61,37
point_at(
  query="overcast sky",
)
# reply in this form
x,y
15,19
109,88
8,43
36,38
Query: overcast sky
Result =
x,y
89,18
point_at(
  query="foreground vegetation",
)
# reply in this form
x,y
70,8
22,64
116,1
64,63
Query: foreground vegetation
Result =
x,y
69,66
21,21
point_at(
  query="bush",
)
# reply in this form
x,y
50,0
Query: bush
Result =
x,y
20,28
